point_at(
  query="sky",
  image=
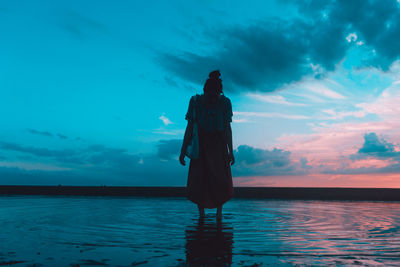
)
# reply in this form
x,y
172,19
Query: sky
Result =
x,y
95,92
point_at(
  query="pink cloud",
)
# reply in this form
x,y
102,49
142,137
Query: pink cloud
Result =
x,y
329,148
370,163
387,104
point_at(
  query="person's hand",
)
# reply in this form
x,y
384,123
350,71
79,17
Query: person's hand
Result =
x,y
231,159
182,158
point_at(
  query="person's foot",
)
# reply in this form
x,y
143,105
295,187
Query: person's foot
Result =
x,y
219,213
201,214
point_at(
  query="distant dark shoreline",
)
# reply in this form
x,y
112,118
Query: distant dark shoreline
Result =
x,y
316,193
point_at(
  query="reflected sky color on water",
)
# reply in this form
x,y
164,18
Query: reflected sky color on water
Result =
x,y
123,231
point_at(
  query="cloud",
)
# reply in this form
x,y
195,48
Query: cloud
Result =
x,y
337,151
242,120
82,27
274,99
252,156
269,115
333,147
33,166
260,57
171,82
40,152
94,154
375,147
99,164
374,22
304,163
252,161
165,120
352,37
372,145
386,105
33,131
19,176
169,148
45,133
93,165
322,90
61,136
109,158
334,115
375,156
163,131
268,54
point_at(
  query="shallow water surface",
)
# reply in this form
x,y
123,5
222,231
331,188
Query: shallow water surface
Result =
x,y
133,231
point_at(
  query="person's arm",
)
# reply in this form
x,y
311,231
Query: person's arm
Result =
x,y
189,130
228,136
186,140
228,131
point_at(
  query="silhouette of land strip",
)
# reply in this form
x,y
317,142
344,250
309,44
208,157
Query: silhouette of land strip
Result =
x,y
312,193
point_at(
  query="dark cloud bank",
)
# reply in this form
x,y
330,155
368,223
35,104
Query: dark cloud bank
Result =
x,y
101,165
45,133
263,162
268,54
98,165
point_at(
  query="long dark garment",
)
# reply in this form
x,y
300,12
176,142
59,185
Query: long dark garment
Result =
x,y
210,180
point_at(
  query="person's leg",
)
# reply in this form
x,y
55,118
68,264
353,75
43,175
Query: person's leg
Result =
x,y
201,211
219,212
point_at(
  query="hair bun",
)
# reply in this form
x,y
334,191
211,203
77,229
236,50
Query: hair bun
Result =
x,y
214,74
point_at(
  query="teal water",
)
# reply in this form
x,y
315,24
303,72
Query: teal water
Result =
x,y
133,231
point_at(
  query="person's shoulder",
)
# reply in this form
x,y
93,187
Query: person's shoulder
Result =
x,y
195,97
225,100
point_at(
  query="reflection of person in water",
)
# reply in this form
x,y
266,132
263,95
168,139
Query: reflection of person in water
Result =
x,y
209,243
209,182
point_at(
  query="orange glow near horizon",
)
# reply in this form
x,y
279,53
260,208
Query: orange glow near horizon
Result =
x,y
375,180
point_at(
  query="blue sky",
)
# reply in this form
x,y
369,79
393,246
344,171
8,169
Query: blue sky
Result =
x,y
96,92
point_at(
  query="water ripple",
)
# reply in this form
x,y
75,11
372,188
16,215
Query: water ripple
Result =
x,y
126,231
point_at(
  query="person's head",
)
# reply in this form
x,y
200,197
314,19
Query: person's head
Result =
x,y
213,85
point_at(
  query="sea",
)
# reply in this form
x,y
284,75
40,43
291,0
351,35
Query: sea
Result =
x,y
151,231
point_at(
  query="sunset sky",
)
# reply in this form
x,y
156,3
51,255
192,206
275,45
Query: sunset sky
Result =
x,y
95,92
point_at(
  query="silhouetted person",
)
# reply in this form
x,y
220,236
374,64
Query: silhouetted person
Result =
x,y
209,243
209,183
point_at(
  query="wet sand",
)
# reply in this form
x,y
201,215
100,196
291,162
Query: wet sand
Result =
x,y
312,193
165,231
